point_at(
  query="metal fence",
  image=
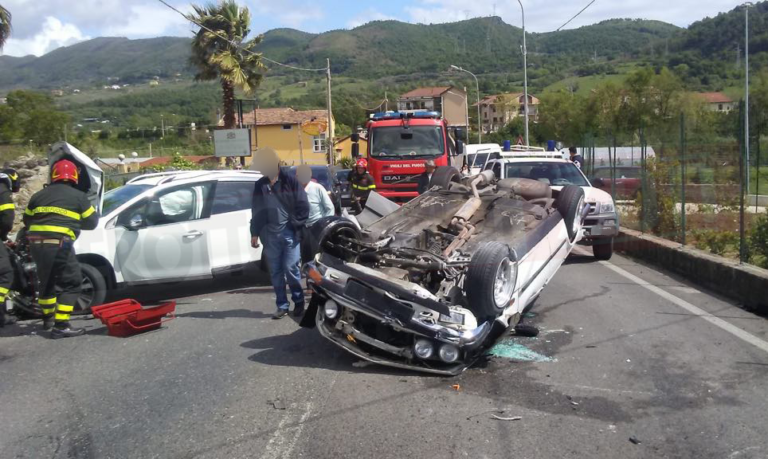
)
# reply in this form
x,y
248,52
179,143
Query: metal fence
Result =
x,y
686,184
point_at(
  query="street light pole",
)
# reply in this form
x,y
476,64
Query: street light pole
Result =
x,y
477,87
746,90
329,130
525,74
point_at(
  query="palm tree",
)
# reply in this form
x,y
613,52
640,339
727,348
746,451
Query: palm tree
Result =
x,y
5,25
220,50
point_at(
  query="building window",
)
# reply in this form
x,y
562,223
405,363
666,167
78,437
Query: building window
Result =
x,y
318,143
493,108
720,108
286,127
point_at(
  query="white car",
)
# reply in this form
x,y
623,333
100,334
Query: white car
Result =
x,y
602,223
174,226
476,155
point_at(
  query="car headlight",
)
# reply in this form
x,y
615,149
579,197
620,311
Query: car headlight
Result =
x,y
449,353
606,207
331,309
423,349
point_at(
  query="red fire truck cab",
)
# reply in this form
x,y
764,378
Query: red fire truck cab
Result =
x,y
398,145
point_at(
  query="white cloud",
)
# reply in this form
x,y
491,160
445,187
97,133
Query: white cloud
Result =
x,y
54,34
367,16
151,21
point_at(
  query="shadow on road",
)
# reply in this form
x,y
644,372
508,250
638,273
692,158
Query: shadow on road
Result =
x,y
229,314
578,259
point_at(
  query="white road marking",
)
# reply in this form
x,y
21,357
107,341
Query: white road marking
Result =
x,y
284,439
716,321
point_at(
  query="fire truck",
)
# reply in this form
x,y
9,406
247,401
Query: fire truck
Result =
x,y
398,145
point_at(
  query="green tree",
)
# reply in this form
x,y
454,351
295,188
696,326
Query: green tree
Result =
x,y
220,51
5,25
33,117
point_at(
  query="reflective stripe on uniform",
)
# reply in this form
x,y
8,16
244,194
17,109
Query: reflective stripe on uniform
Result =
x,y
9,206
53,210
64,308
61,317
48,311
3,291
46,301
52,229
364,188
2,299
88,212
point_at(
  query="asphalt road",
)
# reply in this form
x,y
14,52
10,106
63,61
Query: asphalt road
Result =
x,y
615,360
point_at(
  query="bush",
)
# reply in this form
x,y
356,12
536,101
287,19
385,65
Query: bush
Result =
x,y
714,241
347,162
758,241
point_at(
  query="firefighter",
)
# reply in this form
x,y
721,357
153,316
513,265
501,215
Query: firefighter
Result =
x,y
53,220
362,183
9,183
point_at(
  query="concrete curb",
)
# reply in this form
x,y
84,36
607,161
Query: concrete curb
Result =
x,y
746,284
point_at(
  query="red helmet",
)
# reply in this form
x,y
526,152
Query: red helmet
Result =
x,y
64,171
362,162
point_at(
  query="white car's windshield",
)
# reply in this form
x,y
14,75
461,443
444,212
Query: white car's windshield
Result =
x,y
552,173
414,142
119,196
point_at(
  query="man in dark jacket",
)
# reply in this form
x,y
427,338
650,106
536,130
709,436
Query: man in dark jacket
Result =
x,y
576,158
53,220
9,183
426,177
279,211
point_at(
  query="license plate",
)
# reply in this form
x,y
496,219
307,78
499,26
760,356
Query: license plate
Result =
x,y
386,306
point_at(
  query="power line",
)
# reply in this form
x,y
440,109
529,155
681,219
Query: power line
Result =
x,y
238,45
569,20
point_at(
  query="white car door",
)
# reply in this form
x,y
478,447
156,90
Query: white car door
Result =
x,y
171,242
229,241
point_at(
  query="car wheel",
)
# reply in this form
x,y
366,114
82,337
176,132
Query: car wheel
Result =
x,y
443,176
570,201
93,289
603,249
330,235
491,279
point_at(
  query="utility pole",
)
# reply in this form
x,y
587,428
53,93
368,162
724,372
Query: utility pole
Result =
x,y
329,131
162,126
525,74
746,87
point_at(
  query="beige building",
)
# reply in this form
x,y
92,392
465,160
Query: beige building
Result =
x,y
717,101
499,109
449,101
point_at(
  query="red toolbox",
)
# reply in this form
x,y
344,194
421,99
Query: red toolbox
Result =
x,y
127,317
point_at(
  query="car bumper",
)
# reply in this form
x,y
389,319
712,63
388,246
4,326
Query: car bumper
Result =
x,y
601,226
390,341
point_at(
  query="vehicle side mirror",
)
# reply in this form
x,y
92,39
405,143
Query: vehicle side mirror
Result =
x,y
355,137
355,150
459,134
459,147
135,223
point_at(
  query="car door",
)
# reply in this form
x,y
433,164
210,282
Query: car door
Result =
x,y
164,237
229,242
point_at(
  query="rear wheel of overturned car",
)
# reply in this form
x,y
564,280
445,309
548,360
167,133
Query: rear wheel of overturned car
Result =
x,y
491,280
570,201
603,249
443,176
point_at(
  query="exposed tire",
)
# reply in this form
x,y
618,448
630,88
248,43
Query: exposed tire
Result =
x,y
603,249
569,203
443,176
94,289
326,235
491,280
526,330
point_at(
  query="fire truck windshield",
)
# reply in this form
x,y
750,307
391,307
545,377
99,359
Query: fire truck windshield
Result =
x,y
413,142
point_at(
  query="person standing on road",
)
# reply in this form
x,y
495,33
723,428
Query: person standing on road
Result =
x,y
279,213
362,184
426,177
53,220
9,183
576,157
320,206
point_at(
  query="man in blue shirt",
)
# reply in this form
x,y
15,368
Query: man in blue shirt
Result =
x,y
279,211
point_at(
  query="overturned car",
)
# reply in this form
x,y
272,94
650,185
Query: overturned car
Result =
x,y
429,286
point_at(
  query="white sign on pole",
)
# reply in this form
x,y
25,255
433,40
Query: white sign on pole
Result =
x,y
232,142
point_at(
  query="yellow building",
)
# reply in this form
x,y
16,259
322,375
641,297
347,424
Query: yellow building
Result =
x,y
343,147
288,132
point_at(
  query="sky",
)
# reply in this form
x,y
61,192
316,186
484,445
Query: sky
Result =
x,y
40,26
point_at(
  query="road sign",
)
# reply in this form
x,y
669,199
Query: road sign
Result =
x,y
232,142
314,127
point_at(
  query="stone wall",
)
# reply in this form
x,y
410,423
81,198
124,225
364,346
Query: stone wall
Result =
x,y
33,172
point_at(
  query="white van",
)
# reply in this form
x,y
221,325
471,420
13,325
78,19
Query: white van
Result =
x,y
477,155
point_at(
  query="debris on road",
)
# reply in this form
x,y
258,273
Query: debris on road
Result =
x,y
277,404
513,418
591,346
361,364
456,387
634,440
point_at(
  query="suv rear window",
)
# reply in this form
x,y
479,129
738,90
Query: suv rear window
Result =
x,y
232,197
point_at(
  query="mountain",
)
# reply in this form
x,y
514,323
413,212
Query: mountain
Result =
x,y
376,49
